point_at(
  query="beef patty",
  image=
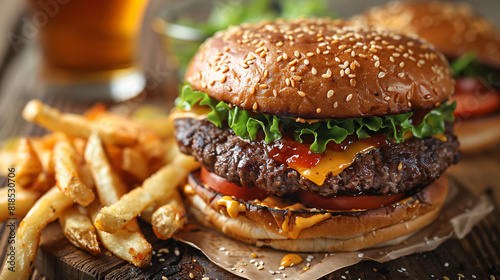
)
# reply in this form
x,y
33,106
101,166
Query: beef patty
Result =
x,y
247,163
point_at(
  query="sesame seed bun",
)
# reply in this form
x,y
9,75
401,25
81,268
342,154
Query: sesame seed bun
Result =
x,y
320,68
342,231
453,28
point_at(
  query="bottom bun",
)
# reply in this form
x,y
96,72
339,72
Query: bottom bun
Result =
x,y
477,135
311,230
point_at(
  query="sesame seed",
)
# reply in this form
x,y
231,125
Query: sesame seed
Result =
x,y
318,51
376,57
293,62
262,54
226,48
310,54
390,88
223,79
381,75
252,91
314,71
336,104
349,97
351,75
400,166
322,44
259,49
387,98
263,86
266,73
392,59
330,93
318,110
337,59
409,104
287,81
279,58
301,93
285,56
279,44
326,52
327,75
255,106
275,93
402,64
353,82
297,54
401,75
353,54
212,83
306,62
347,71
292,68
362,55
245,66
377,64
342,73
225,69
292,81
445,278
460,275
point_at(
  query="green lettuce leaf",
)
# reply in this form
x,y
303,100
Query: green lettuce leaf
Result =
x,y
247,125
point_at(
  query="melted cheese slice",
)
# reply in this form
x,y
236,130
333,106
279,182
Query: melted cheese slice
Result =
x,y
334,162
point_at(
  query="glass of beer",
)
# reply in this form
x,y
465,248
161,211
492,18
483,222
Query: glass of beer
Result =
x,y
87,43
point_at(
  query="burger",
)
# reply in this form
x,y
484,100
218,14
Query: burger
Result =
x,y
472,45
316,136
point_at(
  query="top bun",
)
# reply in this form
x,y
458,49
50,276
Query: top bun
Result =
x,y
453,28
320,68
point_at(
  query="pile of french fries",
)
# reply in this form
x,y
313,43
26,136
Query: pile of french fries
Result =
x,y
95,173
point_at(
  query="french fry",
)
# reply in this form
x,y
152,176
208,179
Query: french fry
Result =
x,y
7,160
45,210
66,172
169,218
135,163
163,182
28,166
109,186
128,243
79,230
24,200
76,125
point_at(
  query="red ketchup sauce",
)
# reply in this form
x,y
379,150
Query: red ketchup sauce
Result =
x,y
295,154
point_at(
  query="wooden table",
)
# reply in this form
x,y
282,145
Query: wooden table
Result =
x,y
476,255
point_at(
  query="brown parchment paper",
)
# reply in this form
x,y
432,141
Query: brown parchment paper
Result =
x,y
462,210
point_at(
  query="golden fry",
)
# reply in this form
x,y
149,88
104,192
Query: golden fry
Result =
x,y
45,210
135,163
128,243
162,183
28,165
79,230
67,177
109,186
7,160
76,125
169,218
23,201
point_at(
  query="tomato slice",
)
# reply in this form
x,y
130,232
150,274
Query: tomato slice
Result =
x,y
347,202
220,184
474,98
